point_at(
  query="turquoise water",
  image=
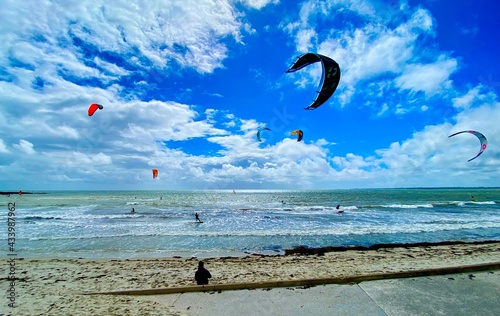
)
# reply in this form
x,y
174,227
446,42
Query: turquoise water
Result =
x,y
100,224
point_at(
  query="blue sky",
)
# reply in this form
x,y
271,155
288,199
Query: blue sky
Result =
x,y
185,86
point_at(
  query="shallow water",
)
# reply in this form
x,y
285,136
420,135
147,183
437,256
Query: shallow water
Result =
x,y
100,224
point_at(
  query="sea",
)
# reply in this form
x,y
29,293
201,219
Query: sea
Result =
x,y
100,224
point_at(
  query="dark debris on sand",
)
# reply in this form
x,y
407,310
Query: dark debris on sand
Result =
x,y
304,250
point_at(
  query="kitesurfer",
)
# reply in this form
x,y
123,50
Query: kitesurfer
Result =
x,y
197,216
133,210
202,275
339,211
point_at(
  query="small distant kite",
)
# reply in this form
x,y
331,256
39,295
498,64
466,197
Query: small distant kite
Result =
x,y
155,173
259,131
329,79
482,139
94,107
299,133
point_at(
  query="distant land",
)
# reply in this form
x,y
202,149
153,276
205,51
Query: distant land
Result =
x,y
17,192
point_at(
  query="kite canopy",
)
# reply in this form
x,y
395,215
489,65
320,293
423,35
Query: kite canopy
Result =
x,y
155,173
329,79
93,107
260,130
299,133
482,139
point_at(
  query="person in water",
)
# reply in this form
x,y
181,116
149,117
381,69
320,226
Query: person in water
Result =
x,y
338,210
197,216
202,275
133,210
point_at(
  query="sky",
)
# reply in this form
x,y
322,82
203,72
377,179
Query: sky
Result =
x,y
186,84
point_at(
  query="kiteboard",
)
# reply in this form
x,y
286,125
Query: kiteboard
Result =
x,y
198,222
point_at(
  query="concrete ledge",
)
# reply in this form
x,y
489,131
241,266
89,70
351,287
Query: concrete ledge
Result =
x,y
304,282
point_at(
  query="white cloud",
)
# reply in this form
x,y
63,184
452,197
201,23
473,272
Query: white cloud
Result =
x,y
424,159
297,151
304,40
3,148
418,161
400,109
25,147
370,51
121,143
476,96
430,78
258,4
171,121
81,160
351,162
60,44
188,32
110,67
384,109
466,100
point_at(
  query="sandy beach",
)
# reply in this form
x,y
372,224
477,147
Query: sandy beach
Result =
x,y
54,286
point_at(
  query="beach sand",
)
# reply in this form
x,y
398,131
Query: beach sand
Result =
x,y
54,286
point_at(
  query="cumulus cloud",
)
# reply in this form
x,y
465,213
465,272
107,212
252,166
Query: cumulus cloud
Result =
x,y
58,59
187,33
431,152
373,50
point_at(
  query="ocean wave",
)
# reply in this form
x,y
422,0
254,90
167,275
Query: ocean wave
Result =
x,y
40,218
80,216
334,231
427,205
463,203
394,206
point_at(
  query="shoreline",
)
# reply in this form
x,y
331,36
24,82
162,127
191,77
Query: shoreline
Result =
x,y
301,250
54,286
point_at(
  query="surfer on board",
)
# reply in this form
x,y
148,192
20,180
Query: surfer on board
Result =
x,y
197,216
339,211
